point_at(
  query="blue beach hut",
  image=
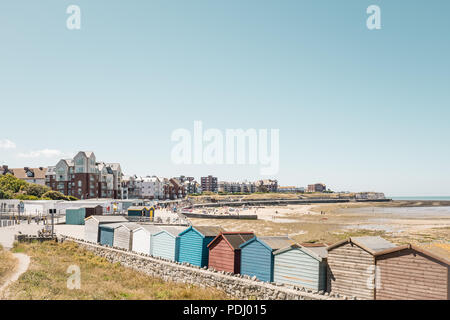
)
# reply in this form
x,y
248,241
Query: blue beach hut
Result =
x,y
166,243
106,233
194,244
257,256
302,265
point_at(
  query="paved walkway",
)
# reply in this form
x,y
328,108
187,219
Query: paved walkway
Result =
x,y
22,267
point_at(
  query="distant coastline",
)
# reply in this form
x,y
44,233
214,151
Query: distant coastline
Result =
x,y
423,198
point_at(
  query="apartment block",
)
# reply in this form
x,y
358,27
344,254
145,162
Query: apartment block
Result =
x,y
317,187
209,183
85,178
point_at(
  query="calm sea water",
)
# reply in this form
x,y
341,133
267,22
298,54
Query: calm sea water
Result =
x,y
434,198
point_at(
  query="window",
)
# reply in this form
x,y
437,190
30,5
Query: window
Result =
x,y
80,184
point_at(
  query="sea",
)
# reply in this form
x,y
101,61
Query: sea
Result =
x,y
423,198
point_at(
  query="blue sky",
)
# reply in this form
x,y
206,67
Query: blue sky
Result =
x,y
357,109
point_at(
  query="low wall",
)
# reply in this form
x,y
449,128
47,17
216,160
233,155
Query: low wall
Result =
x,y
238,286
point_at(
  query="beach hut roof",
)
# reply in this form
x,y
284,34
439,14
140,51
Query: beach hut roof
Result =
x,y
272,243
318,253
234,239
172,230
205,231
428,253
277,242
111,225
106,219
131,226
149,228
371,244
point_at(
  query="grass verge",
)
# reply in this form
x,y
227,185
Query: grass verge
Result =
x,y
7,264
47,278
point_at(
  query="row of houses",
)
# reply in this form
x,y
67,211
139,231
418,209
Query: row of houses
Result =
x,y
153,187
248,187
363,267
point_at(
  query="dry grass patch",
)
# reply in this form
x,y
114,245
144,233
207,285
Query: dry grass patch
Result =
x,y
8,264
46,278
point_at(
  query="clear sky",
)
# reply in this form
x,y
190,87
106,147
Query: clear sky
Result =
x,y
357,109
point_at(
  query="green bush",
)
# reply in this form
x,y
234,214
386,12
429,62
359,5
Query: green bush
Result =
x,y
22,196
5,195
36,190
11,184
54,195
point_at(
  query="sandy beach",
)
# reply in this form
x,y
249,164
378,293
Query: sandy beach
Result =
x,y
398,221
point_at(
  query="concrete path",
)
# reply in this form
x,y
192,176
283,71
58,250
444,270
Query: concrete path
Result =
x,y
7,233
23,264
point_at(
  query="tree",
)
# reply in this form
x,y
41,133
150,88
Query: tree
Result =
x,y
5,194
54,195
36,190
22,196
9,183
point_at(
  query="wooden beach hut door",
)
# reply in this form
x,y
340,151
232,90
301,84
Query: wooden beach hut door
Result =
x,y
164,245
257,260
141,241
106,236
91,231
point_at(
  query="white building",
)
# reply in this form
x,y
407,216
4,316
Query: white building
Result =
x,y
150,187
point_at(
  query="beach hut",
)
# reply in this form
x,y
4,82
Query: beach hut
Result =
x,y
92,223
194,244
351,266
257,256
142,238
106,233
75,216
166,243
410,272
123,235
224,251
301,265
141,211
93,210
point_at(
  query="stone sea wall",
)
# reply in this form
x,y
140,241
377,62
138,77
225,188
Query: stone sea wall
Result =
x,y
237,286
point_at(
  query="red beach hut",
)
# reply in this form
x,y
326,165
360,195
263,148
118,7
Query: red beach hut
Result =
x,y
224,251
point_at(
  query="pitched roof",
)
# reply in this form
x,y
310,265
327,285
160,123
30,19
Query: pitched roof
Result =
x,y
107,219
209,231
173,230
69,162
371,244
88,153
111,225
319,253
114,166
150,228
234,239
277,242
415,248
21,173
131,225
